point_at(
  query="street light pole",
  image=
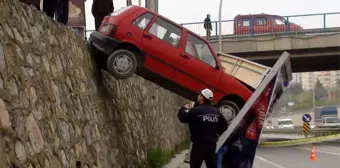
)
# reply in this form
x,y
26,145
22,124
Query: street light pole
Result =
x,y
313,77
220,27
139,2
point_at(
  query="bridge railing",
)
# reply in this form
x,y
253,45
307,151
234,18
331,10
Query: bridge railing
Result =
x,y
288,25
296,24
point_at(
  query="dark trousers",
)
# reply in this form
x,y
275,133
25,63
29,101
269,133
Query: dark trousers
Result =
x,y
203,152
36,3
62,11
58,7
98,18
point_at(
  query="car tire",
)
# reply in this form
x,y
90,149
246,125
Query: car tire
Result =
x,y
228,109
122,64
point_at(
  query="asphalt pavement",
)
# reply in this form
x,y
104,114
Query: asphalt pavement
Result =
x,y
327,154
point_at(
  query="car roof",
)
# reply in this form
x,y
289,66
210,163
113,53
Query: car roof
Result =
x,y
255,15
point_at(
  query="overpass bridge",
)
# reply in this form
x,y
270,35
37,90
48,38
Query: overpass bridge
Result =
x,y
321,50
319,43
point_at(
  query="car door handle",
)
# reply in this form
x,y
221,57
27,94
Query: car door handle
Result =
x,y
147,36
185,56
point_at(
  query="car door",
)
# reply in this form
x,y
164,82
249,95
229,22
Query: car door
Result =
x,y
197,65
135,32
244,26
260,25
161,45
279,25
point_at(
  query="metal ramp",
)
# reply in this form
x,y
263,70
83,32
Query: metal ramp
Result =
x,y
236,147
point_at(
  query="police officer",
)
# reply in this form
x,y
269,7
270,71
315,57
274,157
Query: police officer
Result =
x,y
206,123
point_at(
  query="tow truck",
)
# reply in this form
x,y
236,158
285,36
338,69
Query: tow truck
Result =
x,y
236,147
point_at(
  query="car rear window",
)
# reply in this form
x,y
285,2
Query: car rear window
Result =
x,y
121,10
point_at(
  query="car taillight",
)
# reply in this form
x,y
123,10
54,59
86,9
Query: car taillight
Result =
x,y
108,29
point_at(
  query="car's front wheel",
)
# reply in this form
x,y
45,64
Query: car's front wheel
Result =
x,y
122,64
228,109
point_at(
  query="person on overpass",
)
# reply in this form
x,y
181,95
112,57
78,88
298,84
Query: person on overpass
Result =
x,y
206,123
208,26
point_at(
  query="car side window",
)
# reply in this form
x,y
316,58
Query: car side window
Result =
x,y
260,21
189,49
166,31
143,20
199,49
243,22
278,21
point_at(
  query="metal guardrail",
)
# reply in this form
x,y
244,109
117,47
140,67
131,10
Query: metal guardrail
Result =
x,y
310,24
315,132
299,129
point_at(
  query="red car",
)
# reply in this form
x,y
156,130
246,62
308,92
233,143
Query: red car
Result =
x,y
263,23
136,40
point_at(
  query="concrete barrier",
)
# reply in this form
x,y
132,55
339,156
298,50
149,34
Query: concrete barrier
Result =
x,y
301,141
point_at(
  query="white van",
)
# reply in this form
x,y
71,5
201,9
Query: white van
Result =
x,y
285,123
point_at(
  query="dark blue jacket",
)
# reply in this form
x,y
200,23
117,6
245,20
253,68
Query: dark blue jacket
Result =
x,y
206,123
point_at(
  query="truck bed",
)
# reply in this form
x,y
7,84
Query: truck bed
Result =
x,y
246,71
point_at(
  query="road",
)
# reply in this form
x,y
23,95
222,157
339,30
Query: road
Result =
x,y
327,154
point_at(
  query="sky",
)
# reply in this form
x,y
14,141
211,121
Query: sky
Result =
x,y
186,11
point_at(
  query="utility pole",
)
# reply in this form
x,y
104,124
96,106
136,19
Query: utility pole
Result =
x,y
152,5
140,2
313,78
220,26
128,2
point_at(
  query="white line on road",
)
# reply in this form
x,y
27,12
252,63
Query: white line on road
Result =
x,y
331,153
267,161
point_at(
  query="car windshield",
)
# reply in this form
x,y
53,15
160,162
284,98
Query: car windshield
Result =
x,y
288,122
332,120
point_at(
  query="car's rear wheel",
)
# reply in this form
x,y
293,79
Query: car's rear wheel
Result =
x,y
228,109
122,64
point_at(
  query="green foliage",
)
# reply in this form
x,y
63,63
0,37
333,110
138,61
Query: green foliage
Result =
x,y
320,90
304,100
158,157
295,88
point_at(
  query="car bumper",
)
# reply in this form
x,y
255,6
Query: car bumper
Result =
x,y
103,43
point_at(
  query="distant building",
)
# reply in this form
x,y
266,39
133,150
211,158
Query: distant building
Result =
x,y
297,78
327,78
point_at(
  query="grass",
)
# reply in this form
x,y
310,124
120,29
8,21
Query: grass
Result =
x,y
158,157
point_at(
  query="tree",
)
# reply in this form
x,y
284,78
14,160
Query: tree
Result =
x,y
320,91
338,82
295,88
